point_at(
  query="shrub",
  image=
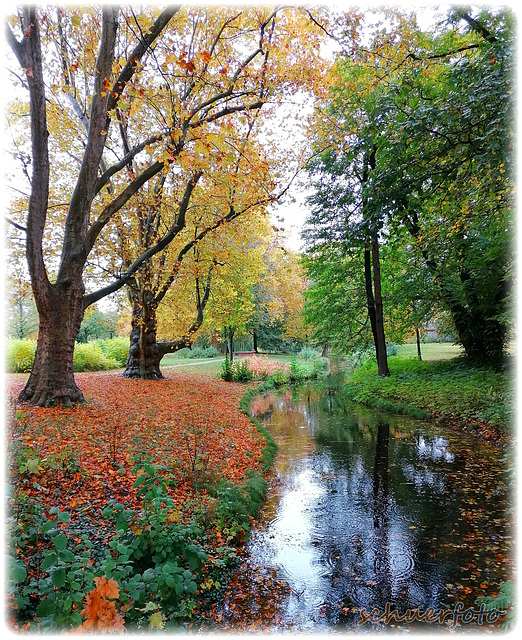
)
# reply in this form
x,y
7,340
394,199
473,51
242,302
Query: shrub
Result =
x,y
308,353
202,352
358,357
391,349
90,357
20,355
116,349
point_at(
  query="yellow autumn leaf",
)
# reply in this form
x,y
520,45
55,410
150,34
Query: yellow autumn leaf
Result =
x,y
156,621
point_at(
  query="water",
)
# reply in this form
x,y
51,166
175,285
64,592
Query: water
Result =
x,y
366,511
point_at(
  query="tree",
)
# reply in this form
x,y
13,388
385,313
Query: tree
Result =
x,y
448,129
430,117
335,300
122,66
345,210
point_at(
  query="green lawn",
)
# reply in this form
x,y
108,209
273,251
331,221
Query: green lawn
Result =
x,y
431,350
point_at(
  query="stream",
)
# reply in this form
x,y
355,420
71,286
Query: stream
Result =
x,y
371,512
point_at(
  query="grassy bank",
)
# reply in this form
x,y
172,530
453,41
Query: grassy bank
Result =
x,y
451,388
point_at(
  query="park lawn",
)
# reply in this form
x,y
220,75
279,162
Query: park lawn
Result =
x,y
431,350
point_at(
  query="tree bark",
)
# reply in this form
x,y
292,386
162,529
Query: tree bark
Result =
x,y
370,301
145,353
382,356
51,381
143,360
417,335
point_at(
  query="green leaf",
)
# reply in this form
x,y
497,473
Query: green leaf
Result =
x,y
49,561
18,572
60,541
63,516
58,578
148,575
45,608
66,555
47,526
139,481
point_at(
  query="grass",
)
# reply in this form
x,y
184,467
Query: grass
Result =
x,y
431,350
450,387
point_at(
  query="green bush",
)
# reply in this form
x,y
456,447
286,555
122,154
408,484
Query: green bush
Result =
x,y
90,357
391,349
116,349
98,355
202,352
20,355
308,353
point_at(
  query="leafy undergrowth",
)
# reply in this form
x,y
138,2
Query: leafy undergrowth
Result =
x,y
476,397
150,485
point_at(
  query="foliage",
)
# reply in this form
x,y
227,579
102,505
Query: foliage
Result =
x,y
90,357
504,601
392,349
155,115
116,349
449,388
165,534
359,356
20,355
97,355
100,608
96,325
202,352
415,145
308,353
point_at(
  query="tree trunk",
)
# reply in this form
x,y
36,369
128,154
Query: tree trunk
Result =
x,y
417,334
51,381
324,353
382,356
254,341
230,343
143,360
375,306
370,301
145,353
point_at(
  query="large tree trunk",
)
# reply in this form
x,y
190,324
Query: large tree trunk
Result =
x,y
145,353
143,360
51,381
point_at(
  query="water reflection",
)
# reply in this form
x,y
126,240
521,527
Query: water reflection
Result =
x,y
371,510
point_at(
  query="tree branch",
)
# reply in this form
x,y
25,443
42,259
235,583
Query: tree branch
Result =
x,y
90,298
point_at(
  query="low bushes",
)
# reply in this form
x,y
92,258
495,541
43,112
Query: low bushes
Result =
x,y
97,355
90,357
116,349
20,355
259,368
